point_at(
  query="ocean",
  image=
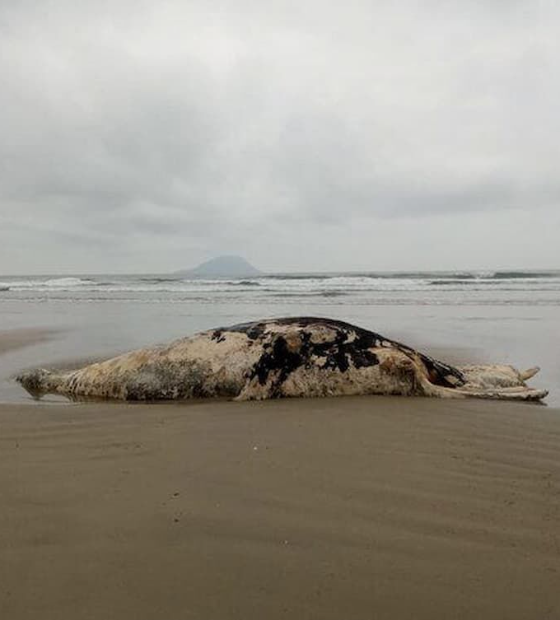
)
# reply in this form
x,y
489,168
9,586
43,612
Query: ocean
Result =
x,y
480,288
471,316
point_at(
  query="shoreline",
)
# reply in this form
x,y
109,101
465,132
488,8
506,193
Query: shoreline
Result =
x,y
317,508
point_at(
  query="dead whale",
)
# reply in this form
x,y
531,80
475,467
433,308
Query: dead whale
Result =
x,y
291,357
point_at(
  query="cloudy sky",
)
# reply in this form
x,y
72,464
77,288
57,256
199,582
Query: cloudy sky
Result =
x,y
149,136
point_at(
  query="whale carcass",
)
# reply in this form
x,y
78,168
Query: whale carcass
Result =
x,y
276,358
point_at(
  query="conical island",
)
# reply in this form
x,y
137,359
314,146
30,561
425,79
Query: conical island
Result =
x,y
223,267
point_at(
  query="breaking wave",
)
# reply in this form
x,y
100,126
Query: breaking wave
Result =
x,y
65,282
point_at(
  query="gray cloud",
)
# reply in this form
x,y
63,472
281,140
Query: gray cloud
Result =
x,y
265,128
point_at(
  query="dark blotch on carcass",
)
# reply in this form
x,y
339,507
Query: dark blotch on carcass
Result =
x,y
334,352
218,336
440,373
277,357
340,353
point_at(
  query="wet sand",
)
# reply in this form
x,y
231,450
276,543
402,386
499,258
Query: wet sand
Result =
x,y
14,339
318,509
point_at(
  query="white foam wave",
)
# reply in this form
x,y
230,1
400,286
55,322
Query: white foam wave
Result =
x,y
67,282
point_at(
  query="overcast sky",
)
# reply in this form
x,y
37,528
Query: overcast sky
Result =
x,y
304,135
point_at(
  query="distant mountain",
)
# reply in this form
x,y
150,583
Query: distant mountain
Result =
x,y
223,267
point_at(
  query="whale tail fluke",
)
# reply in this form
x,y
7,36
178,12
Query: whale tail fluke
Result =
x,y
498,382
38,382
525,375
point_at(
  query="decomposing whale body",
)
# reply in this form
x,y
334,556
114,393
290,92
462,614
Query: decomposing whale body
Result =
x,y
299,357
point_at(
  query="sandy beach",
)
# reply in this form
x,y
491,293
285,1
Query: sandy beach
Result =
x,y
340,508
